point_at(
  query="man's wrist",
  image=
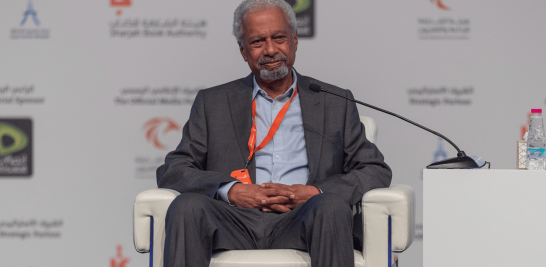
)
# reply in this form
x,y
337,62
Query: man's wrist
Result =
x,y
223,191
231,192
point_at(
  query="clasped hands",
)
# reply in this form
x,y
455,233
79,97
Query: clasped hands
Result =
x,y
270,197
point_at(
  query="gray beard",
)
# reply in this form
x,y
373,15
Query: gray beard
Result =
x,y
277,74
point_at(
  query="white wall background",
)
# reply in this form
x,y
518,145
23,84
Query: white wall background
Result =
x,y
91,156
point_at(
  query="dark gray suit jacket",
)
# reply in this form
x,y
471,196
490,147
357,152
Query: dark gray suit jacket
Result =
x,y
215,143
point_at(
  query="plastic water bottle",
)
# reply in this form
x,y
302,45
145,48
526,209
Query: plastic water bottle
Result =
x,y
536,146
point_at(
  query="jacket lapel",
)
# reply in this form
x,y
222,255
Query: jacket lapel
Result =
x,y
312,112
240,107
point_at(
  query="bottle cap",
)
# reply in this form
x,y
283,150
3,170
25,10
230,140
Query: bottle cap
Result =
x,y
536,110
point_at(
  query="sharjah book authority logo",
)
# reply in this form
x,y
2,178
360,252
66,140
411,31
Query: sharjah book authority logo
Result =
x,y
15,147
305,16
154,27
439,4
153,128
29,30
119,4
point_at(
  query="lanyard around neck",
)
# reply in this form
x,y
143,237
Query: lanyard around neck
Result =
x,y
272,130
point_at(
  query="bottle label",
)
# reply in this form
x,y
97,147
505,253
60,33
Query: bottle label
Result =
x,y
537,153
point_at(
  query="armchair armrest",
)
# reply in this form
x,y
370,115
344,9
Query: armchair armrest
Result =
x,y
150,209
385,208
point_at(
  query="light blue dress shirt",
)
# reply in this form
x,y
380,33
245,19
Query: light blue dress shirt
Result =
x,y
284,159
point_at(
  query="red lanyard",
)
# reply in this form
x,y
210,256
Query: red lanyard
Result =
x,y
272,130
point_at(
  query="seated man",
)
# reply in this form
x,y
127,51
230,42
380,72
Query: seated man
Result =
x,y
302,157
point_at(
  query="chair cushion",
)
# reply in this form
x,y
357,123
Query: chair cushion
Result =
x,y
268,258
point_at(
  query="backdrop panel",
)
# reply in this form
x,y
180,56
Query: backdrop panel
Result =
x,y
104,88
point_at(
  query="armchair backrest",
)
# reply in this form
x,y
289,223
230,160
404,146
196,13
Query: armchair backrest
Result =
x,y
370,127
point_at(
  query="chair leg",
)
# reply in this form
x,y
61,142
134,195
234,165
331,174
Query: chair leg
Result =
x,y
151,241
390,243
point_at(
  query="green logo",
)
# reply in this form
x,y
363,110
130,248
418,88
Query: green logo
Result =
x,y
20,139
301,5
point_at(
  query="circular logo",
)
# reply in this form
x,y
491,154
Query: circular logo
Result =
x,y
301,5
153,127
19,139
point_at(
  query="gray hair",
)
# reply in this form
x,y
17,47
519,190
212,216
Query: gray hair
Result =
x,y
248,6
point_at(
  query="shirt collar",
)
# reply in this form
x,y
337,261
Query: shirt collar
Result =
x,y
289,92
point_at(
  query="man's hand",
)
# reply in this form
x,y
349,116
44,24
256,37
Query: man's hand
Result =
x,y
299,194
260,197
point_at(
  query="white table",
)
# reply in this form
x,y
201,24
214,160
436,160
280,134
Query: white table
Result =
x,y
484,218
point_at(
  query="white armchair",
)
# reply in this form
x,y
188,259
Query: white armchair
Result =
x,y
388,218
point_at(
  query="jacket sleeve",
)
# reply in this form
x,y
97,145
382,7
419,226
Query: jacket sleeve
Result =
x,y
363,166
184,168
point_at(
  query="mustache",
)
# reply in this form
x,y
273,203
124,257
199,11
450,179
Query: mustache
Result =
x,y
278,57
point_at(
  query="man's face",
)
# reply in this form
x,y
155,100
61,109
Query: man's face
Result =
x,y
269,44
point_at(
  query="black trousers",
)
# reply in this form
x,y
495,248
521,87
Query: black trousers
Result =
x,y
197,225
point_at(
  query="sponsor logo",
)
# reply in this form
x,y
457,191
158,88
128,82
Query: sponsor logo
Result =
x,y
156,125
305,17
156,96
19,139
30,12
525,127
20,95
439,4
156,132
15,147
28,30
444,27
155,27
120,3
440,96
440,153
119,260
23,229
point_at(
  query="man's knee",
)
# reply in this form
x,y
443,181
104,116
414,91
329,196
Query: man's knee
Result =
x,y
331,204
189,204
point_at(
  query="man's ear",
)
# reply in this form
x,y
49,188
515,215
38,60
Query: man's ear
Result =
x,y
242,50
296,40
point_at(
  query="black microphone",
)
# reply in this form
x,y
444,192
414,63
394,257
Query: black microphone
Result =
x,y
462,161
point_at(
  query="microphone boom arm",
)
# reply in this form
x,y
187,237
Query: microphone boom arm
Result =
x,y
462,161
398,116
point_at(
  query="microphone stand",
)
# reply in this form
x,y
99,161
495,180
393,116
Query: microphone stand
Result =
x,y
462,161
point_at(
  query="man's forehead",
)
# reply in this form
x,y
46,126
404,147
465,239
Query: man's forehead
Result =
x,y
267,22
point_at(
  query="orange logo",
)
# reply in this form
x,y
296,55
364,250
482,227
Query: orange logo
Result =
x,y
525,128
120,3
119,260
438,3
153,126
